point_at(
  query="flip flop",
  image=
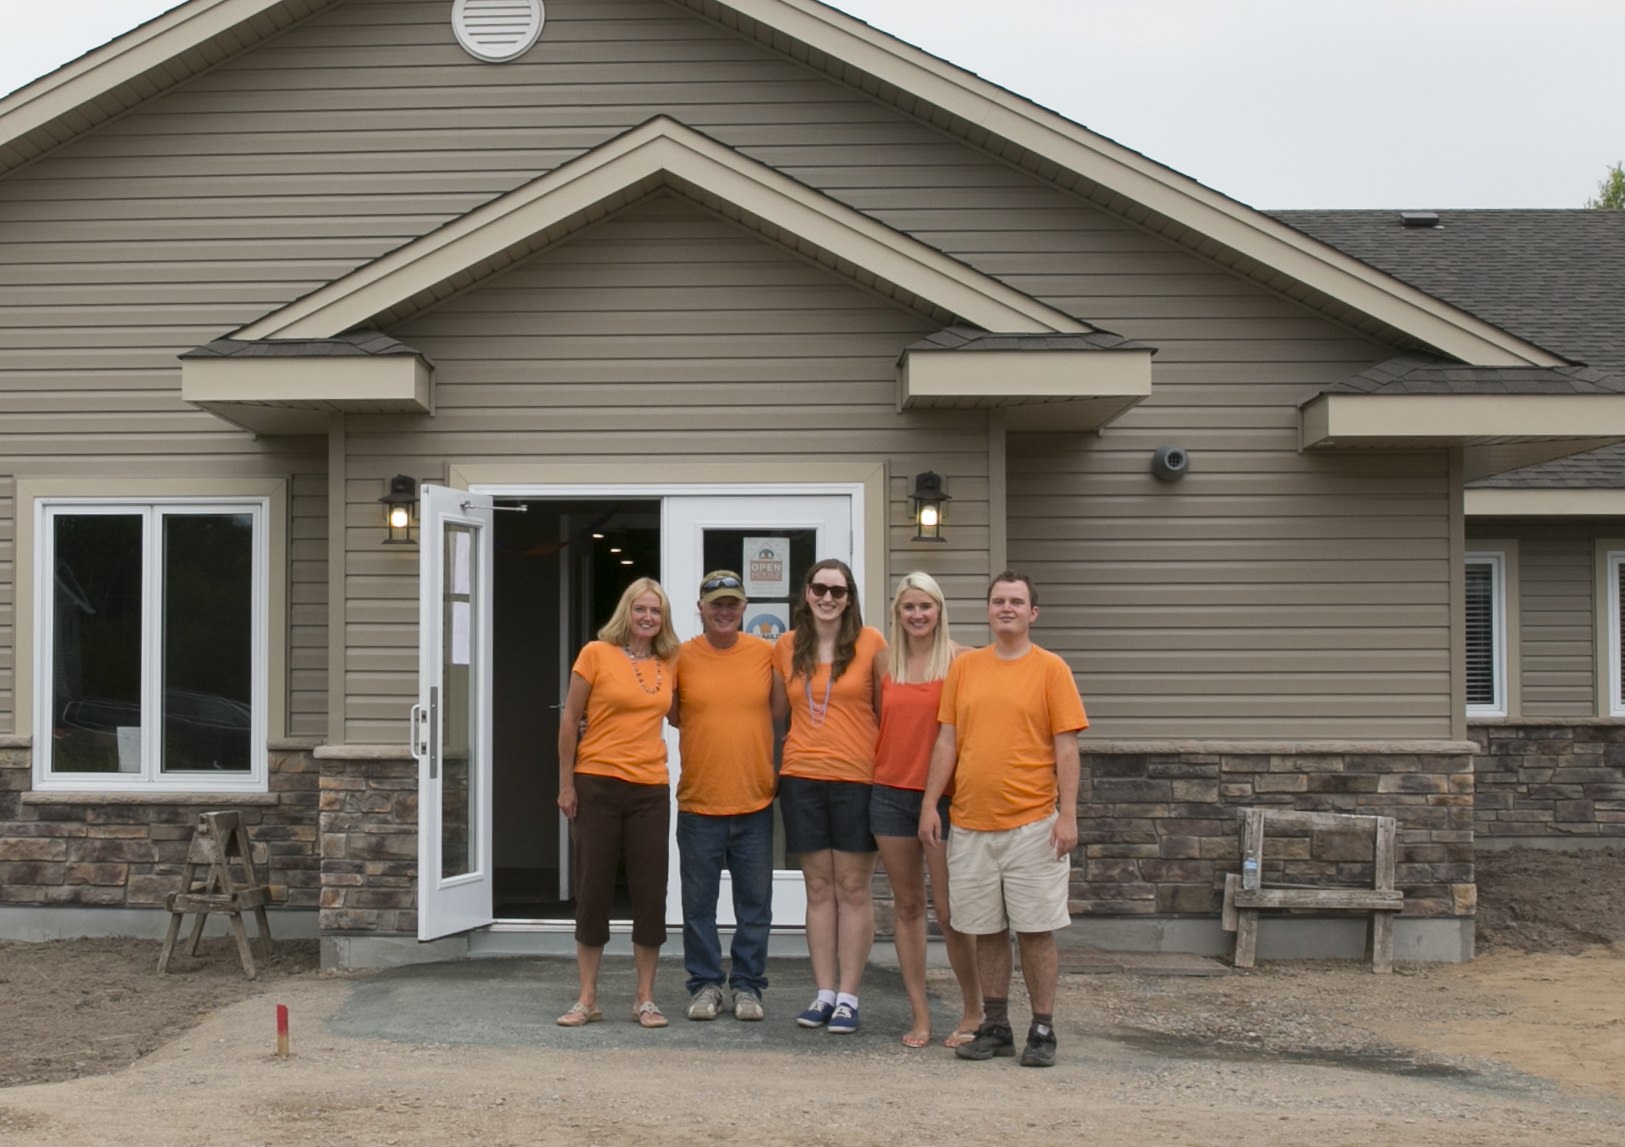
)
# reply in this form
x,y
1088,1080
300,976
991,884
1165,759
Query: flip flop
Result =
x,y
959,1038
649,1015
578,1015
912,1040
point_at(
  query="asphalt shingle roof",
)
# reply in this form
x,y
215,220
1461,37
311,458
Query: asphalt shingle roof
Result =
x,y
1421,374
1553,277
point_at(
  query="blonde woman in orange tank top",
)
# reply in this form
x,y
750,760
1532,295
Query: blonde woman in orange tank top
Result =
x,y
919,651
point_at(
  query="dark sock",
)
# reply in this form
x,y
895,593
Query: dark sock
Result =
x,y
1045,1020
996,1011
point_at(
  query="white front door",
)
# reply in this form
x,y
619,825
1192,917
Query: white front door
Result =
x,y
771,540
451,724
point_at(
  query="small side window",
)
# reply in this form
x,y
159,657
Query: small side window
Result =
x,y
1486,635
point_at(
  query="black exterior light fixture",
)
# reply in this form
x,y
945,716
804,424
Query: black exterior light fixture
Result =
x,y
400,506
928,499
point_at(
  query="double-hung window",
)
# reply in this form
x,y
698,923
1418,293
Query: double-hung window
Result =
x,y
152,631
1486,634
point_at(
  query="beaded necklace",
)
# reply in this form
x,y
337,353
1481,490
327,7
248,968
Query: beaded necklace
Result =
x,y
817,711
638,673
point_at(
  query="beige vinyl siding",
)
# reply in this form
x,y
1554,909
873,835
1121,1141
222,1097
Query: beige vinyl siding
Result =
x,y
1557,603
366,126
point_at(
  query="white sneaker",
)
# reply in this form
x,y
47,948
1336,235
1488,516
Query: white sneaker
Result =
x,y
706,1004
747,1006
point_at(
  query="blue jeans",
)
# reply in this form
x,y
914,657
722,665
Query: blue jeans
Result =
x,y
744,846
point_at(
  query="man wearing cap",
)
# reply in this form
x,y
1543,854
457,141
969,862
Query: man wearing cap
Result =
x,y
728,698
1008,740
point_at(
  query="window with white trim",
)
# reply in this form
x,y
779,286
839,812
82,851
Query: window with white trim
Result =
x,y
151,626
1486,635
1616,646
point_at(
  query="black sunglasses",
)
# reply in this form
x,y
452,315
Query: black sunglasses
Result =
x,y
819,589
720,583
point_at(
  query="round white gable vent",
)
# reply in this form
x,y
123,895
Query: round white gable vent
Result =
x,y
497,30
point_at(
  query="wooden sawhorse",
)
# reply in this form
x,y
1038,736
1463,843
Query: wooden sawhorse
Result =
x,y
1244,893
229,884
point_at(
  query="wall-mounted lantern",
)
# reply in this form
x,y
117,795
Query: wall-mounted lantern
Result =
x,y
400,506
928,499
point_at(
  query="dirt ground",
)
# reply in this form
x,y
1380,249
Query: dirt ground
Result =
x,y
1527,1042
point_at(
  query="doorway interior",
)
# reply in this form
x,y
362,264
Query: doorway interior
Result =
x,y
559,568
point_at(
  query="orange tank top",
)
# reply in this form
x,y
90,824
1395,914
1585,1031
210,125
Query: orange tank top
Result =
x,y
908,729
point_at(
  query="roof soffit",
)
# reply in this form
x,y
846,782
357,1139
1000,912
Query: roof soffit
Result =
x,y
660,153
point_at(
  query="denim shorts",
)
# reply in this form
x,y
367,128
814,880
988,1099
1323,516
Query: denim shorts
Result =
x,y
896,812
822,815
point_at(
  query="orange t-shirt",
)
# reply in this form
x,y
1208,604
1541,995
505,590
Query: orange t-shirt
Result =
x,y
725,720
836,743
908,729
623,738
1007,715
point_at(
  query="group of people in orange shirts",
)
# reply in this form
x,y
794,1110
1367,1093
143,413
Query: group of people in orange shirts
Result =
x,y
961,764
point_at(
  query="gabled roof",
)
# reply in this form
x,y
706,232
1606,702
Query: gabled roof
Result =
x,y
199,33
659,154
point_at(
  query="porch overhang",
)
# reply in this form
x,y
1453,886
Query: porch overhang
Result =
x,y
1062,382
1430,421
295,387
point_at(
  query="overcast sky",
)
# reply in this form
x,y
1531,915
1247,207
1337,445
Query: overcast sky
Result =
x,y
1278,103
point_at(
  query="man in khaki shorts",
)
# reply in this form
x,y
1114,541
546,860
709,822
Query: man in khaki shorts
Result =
x,y
1010,716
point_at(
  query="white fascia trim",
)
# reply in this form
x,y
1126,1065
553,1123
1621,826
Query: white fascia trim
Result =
x,y
119,61
1524,503
1156,187
660,150
1331,419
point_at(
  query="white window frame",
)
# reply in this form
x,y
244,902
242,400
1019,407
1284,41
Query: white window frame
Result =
x,y
1616,686
1497,562
151,778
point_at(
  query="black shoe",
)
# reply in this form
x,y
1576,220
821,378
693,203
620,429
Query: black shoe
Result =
x,y
989,1042
1040,1049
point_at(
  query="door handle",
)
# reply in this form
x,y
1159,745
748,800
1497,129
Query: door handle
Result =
x,y
415,736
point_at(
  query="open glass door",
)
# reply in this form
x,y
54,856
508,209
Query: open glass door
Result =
x,y
451,723
771,540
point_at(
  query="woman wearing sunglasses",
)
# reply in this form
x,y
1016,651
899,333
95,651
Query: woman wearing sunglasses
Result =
x,y
912,670
828,664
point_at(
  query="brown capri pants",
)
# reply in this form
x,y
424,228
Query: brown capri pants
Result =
x,y
616,818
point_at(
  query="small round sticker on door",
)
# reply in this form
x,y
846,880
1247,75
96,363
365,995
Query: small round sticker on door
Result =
x,y
766,625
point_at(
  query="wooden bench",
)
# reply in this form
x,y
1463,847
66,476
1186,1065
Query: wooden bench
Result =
x,y
1245,895
219,877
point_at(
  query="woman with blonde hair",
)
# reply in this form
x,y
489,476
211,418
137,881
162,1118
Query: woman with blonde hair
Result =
x,y
614,786
912,670
827,662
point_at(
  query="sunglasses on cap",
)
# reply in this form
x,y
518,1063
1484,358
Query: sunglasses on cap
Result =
x,y
715,583
819,589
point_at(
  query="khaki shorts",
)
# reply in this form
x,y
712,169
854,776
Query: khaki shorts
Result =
x,y
1010,879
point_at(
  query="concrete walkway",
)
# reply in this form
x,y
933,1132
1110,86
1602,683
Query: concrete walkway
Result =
x,y
514,1001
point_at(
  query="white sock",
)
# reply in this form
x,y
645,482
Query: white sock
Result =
x,y
825,996
845,998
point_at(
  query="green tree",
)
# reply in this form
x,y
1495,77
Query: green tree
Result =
x,y
1611,191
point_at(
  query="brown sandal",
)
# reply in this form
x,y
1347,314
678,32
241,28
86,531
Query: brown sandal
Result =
x,y
649,1015
578,1015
